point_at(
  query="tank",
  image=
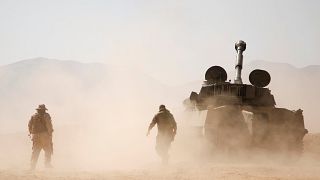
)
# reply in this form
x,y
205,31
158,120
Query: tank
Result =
x,y
244,116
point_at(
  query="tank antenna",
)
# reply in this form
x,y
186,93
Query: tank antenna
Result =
x,y
240,46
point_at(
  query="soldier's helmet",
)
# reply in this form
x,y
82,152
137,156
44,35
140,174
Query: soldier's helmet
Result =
x,y
162,107
42,107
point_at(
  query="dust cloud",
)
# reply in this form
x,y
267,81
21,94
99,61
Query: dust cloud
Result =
x,y
100,115
100,122
97,125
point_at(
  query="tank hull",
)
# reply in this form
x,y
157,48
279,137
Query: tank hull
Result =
x,y
243,128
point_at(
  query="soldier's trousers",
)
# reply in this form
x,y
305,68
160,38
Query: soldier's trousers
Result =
x,y
41,141
162,145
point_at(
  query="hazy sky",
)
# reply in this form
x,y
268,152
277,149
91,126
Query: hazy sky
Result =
x,y
161,36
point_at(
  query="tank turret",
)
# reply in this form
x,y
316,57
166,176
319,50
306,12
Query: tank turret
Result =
x,y
217,92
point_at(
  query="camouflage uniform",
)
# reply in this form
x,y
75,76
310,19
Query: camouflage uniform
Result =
x,y
40,127
167,128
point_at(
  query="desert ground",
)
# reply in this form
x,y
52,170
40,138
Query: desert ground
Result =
x,y
177,171
308,167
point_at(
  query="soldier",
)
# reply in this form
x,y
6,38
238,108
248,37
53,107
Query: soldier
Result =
x,y
167,129
40,129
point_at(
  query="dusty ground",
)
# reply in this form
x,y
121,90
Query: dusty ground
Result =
x,y
176,171
308,167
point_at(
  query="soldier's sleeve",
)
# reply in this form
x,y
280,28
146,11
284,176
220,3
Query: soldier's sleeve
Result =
x,y
49,124
30,125
153,122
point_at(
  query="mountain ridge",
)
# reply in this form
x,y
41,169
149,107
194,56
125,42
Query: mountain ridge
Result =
x,y
66,85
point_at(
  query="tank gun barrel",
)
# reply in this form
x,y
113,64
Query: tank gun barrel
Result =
x,y
240,46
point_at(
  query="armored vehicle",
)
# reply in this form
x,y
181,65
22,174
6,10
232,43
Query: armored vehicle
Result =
x,y
244,116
